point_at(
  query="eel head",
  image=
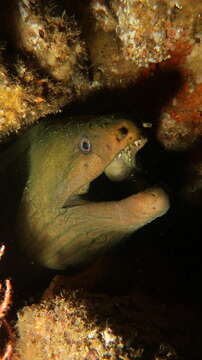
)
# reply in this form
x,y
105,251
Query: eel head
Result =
x,y
59,225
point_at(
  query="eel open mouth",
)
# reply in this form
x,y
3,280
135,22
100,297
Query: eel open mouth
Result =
x,y
118,195
118,171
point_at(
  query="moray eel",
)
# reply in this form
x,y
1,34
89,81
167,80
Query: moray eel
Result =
x,y
57,225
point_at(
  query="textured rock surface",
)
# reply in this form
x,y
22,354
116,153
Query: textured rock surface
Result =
x,y
77,325
49,59
42,64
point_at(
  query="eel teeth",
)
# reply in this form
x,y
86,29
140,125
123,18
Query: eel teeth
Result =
x,y
123,163
128,153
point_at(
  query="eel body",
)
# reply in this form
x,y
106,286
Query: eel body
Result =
x,y
56,162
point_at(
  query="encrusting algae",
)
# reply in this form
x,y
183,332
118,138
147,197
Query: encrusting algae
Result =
x,y
48,62
58,53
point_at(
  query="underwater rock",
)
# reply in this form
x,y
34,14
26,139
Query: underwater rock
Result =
x,y
13,103
52,55
180,124
42,63
50,37
123,37
140,28
175,135
132,40
76,325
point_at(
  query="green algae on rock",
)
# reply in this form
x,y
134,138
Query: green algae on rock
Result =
x,y
57,224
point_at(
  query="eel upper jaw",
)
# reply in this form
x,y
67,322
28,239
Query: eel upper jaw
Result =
x,y
117,170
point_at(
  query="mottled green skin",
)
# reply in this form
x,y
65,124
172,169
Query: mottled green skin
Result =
x,y
55,227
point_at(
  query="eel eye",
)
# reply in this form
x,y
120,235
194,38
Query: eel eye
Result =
x,y
85,145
